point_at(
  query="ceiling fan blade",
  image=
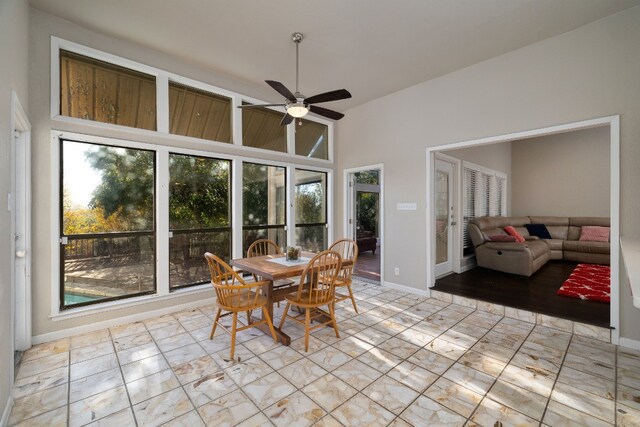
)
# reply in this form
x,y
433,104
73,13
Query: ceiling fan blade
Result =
x,y
334,95
325,112
260,105
286,120
281,89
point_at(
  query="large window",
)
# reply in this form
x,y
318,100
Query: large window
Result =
x,y
199,114
261,129
311,209
264,204
107,224
99,91
136,217
199,216
485,194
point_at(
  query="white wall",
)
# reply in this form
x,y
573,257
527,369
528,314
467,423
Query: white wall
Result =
x,y
14,45
566,174
42,27
586,73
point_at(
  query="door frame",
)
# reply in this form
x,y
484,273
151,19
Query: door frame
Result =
x,y
348,206
613,122
453,230
20,166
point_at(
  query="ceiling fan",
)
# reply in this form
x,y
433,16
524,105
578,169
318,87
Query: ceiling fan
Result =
x,y
297,105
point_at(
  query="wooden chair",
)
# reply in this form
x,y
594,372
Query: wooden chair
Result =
x,y
234,296
316,289
348,249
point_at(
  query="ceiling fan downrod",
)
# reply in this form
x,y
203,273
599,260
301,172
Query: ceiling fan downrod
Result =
x,y
297,38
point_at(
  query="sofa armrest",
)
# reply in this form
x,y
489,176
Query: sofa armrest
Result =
x,y
508,246
529,238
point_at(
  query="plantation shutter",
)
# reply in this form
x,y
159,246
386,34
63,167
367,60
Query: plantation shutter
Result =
x,y
500,196
484,195
470,189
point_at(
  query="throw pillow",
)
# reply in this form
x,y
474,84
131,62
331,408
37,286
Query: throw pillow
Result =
x,y
592,233
513,232
501,238
539,230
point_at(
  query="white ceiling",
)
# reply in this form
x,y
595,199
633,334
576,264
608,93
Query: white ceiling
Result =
x,y
370,47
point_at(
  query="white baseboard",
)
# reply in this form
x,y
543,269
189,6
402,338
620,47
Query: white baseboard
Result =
x,y
409,289
629,343
64,333
7,411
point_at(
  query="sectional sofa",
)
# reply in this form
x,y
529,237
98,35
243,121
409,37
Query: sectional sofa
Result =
x,y
527,257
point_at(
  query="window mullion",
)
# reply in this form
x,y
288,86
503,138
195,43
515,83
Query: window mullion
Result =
x,y
236,209
162,222
291,200
236,121
162,103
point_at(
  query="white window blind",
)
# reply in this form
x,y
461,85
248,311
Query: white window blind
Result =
x,y
484,195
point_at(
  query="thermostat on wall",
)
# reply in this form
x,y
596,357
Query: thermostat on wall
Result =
x,y
407,206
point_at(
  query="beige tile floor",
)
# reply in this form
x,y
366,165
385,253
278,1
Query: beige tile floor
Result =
x,y
404,360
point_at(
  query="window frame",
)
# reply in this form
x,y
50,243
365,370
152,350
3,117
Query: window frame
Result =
x,y
295,223
116,234
163,290
162,105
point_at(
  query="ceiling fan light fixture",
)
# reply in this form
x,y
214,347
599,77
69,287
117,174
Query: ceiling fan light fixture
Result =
x,y
297,110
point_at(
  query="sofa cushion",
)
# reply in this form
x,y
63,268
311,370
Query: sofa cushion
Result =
x,y
538,248
555,244
512,232
574,232
586,220
539,230
501,238
588,247
594,234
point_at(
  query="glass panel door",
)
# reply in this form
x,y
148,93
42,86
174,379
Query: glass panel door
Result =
x,y
443,217
199,216
107,226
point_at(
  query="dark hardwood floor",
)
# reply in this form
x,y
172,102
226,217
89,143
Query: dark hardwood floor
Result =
x,y
536,293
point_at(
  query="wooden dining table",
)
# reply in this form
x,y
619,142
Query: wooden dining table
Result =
x,y
272,271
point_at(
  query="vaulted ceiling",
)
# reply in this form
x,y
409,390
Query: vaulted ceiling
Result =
x,y
370,47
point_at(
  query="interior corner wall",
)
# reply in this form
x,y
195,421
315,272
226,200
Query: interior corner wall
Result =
x,y
567,174
586,73
14,47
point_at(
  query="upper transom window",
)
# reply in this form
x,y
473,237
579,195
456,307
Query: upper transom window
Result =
x,y
96,90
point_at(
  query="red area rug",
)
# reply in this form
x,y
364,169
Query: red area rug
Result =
x,y
588,282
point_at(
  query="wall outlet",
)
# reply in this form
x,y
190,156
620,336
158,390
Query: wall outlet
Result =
x,y
397,271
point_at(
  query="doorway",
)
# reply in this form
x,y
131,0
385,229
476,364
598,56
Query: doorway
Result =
x,y
612,125
20,205
364,219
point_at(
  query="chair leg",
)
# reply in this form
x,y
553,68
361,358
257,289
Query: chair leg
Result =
x,y
284,315
307,325
248,317
215,323
233,334
265,313
353,300
332,311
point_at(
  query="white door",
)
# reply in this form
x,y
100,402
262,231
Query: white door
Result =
x,y
20,203
444,217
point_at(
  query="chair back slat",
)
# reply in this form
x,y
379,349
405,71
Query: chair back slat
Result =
x,y
230,288
263,247
318,278
348,250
